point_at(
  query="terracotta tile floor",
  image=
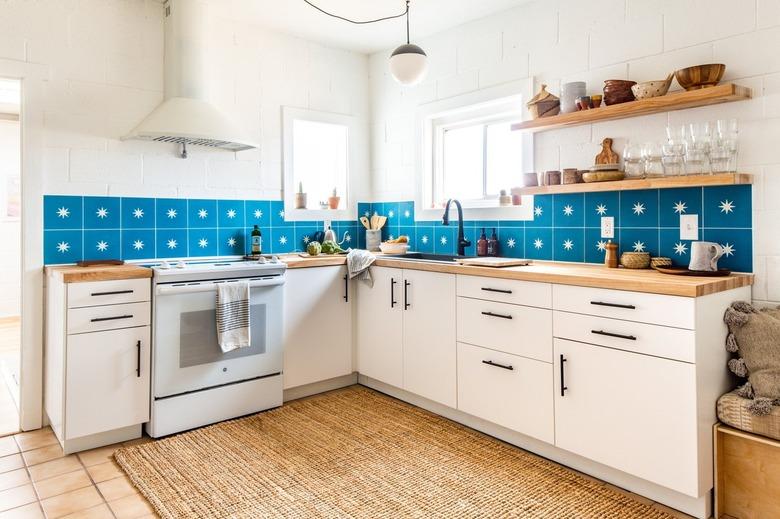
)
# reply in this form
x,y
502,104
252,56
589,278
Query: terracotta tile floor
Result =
x,y
37,480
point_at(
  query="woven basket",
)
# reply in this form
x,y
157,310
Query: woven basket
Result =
x,y
635,260
660,262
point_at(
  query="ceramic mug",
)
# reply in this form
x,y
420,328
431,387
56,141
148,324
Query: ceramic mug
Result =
x,y
705,256
569,94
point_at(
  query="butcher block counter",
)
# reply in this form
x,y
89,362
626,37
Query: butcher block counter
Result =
x,y
76,274
584,275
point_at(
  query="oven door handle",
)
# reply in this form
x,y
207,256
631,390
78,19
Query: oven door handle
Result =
x,y
212,287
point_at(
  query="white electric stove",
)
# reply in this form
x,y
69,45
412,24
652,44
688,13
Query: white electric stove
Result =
x,y
193,382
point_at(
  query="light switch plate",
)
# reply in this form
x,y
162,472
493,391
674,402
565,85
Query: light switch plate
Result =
x,y
689,226
607,226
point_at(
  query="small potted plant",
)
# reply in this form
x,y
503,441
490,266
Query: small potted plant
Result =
x,y
300,197
334,199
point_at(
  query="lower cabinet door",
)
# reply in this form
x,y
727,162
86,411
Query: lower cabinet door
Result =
x,y
107,381
632,412
511,391
317,325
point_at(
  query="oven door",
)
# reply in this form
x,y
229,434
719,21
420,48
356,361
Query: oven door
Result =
x,y
187,356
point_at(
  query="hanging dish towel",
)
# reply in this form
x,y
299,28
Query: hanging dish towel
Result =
x,y
358,261
233,315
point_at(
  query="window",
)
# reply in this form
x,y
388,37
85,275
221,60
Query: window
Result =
x,y
477,161
468,151
318,155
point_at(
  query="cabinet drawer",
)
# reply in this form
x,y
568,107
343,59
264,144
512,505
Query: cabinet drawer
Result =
x,y
658,341
631,306
515,329
506,290
95,293
111,317
510,391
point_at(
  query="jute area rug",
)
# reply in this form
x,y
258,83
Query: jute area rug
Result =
x,y
358,453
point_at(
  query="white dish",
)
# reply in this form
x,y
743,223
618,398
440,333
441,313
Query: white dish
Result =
x,y
393,248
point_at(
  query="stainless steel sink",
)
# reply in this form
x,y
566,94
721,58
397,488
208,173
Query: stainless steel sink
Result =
x,y
422,256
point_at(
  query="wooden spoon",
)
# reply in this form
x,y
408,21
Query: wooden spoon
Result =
x,y
365,222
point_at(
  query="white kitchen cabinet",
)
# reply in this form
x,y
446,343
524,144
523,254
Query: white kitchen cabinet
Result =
x,y
630,411
380,326
429,357
406,332
318,325
97,359
116,365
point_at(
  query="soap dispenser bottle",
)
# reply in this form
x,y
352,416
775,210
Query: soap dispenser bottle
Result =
x,y
482,244
492,248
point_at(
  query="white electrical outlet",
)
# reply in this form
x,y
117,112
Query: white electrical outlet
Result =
x,y
607,226
689,226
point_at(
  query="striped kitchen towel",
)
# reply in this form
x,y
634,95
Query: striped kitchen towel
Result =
x,y
233,315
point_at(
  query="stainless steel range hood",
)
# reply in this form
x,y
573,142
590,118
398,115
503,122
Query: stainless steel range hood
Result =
x,y
185,116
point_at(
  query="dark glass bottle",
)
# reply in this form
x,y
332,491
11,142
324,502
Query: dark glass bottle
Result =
x,y
482,244
492,248
257,241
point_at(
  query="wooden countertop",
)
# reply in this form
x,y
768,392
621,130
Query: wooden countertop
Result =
x,y
595,276
74,274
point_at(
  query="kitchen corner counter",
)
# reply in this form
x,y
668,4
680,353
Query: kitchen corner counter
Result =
x,y
594,276
75,274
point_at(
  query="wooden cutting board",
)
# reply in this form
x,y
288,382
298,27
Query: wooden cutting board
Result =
x,y
493,262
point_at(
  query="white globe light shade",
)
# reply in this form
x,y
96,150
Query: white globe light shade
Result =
x,y
408,64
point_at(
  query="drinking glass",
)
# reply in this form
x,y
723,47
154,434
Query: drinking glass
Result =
x,y
720,157
673,160
696,162
676,133
727,137
698,142
652,154
633,163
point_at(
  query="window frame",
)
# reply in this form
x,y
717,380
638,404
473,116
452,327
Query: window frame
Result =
x,y
491,105
289,116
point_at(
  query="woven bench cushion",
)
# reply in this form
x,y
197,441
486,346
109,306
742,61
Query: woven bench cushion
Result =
x,y
732,410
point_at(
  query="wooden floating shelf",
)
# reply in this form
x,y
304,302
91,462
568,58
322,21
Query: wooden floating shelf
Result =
x,y
721,179
725,93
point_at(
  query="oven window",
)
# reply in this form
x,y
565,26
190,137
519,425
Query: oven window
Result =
x,y
198,337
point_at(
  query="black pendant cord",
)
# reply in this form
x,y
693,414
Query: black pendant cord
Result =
x,y
363,22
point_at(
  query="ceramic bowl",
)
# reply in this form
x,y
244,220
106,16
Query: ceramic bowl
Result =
x,y
618,91
648,89
700,76
393,248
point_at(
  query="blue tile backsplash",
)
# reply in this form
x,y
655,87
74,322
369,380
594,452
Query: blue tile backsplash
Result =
x,y
566,227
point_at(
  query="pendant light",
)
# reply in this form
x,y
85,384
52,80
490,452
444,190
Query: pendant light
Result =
x,y
408,63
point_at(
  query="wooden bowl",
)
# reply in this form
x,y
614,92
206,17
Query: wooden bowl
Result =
x,y
700,76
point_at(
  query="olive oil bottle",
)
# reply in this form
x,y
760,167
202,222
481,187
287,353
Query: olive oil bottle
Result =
x,y
257,241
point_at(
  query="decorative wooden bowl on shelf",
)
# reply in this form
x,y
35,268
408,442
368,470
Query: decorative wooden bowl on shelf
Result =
x,y
700,76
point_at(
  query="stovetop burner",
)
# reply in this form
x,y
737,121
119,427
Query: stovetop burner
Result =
x,y
184,270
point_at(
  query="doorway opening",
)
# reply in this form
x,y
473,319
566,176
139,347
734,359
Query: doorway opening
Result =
x,y
10,254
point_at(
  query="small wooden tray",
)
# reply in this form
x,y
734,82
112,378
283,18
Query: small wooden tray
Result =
x,y
685,271
491,261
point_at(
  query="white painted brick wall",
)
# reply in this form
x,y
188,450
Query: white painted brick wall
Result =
x,y
568,40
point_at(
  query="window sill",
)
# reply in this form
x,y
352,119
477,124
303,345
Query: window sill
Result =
x,y
523,212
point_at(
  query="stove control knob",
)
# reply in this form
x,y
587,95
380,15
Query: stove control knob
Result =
x,y
261,260
180,264
275,259
165,265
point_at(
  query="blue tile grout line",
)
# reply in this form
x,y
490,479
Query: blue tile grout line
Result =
x,y
642,219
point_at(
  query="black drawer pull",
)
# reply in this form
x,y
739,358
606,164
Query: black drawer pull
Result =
x,y
393,302
101,319
613,305
114,293
563,373
499,290
496,364
138,359
406,295
491,314
346,288
617,335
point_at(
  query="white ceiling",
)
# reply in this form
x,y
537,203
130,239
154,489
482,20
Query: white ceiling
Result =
x,y
297,18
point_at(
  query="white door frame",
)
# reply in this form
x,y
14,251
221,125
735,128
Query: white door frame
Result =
x,y
33,77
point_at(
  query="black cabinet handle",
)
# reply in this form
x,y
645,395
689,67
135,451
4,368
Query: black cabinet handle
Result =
x,y
406,294
613,305
499,290
101,319
563,383
346,288
393,302
502,316
138,359
617,335
114,293
496,364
